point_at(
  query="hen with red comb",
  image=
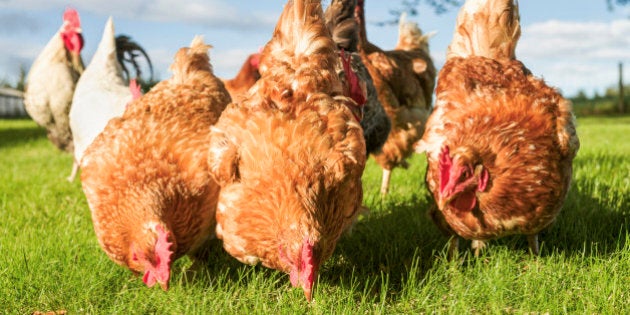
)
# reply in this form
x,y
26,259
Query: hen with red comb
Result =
x,y
290,155
500,143
146,175
52,79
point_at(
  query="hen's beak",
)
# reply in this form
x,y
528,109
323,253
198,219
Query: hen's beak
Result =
x,y
308,293
444,200
163,285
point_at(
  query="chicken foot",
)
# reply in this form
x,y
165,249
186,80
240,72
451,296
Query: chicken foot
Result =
x,y
73,173
387,174
532,240
478,246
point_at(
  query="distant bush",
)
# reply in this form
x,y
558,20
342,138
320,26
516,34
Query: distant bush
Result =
x,y
600,105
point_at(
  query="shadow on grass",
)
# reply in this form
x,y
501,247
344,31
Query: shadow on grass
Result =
x,y
12,137
596,216
386,242
386,246
398,241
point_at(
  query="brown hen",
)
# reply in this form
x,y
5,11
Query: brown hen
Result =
x,y
146,175
404,79
289,157
500,143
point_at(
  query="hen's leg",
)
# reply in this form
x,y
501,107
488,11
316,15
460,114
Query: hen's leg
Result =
x,y
73,174
533,244
453,247
385,183
478,246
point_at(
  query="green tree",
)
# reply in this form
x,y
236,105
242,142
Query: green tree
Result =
x,y
21,83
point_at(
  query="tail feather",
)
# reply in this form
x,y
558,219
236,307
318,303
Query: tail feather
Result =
x,y
300,28
189,61
410,36
486,28
302,53
127,51
105,54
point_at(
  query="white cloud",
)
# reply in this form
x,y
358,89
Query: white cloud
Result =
x,y
576,55
211,13
561,39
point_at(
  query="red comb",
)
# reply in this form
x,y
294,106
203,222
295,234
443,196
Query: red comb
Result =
x,y
134,87
445,167
71,18
254,60
308,268
162,254
356,93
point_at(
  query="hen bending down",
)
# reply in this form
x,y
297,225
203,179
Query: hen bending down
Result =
x,y
52,79
500,143
404,79
146,175
289,157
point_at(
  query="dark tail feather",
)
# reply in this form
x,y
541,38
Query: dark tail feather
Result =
x,y
127,52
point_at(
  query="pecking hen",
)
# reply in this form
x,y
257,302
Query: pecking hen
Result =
x,y
102,92
52,79
500,142
146,175
404,79
345,33
290,155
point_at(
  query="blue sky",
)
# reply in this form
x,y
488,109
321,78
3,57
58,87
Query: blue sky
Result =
x,y
572,44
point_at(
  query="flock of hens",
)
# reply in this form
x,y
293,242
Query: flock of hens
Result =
x,y
270,162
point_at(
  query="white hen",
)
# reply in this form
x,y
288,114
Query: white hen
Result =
x,y
52,78
101,94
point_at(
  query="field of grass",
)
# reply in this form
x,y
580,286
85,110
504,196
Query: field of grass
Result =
x,y
393,262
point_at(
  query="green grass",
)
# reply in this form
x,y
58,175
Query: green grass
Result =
x,y
393,262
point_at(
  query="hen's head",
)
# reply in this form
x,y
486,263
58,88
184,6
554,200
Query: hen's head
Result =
x,y
71,32
461,176
303,266
356,88
154,257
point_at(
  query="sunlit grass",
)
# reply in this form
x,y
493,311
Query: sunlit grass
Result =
x,y
392,262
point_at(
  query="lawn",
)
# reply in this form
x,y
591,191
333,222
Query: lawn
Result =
x,y
393,262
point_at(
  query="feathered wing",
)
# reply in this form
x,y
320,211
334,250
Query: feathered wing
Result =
x,y
290,155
